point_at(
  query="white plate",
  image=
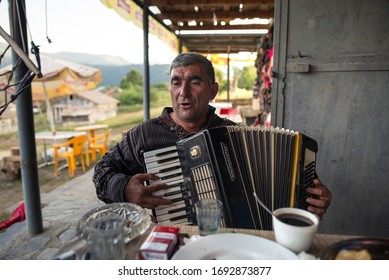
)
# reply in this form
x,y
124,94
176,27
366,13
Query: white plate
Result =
x,y
233,246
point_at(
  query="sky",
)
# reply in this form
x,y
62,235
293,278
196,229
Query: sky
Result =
x,y
86,26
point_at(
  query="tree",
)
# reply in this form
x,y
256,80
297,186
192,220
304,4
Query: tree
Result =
x,y
219,78
131,95
246,77
133,77
132,89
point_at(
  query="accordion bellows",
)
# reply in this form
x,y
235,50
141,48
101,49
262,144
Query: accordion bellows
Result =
x,y
231,163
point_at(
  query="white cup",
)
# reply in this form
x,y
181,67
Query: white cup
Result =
x,y
295,228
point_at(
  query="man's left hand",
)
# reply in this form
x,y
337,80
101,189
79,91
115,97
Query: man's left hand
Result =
x,y
321,200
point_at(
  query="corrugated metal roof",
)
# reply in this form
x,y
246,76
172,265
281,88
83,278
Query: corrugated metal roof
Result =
x,y
97,97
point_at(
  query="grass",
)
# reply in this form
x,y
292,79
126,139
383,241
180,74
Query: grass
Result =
x,y
11,192
128,116
238,93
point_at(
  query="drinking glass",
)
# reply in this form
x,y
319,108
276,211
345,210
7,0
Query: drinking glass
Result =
x,y
208,212
107,238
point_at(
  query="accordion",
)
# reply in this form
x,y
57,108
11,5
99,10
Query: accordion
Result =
x,y
231,163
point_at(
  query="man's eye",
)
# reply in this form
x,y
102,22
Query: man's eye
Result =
x,y
195,82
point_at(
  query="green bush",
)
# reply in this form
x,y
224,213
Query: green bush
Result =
x,y
134,95
133,78
160,86
246,77
222,82
131,95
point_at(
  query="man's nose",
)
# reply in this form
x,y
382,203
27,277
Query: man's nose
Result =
x,y
185,89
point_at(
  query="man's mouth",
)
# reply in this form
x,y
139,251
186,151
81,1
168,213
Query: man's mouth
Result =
x,y
185,105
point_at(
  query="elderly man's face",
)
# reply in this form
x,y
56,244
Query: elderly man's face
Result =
x,y
190,92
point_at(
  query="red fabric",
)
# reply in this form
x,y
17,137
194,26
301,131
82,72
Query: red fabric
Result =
x,y
256,122
18,215
268,120
228,111
267,68
270,68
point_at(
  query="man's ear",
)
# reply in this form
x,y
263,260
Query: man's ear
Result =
x,y
215,89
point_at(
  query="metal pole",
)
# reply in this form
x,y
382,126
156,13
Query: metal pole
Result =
x,y
26,130
228,78
179,45
146,66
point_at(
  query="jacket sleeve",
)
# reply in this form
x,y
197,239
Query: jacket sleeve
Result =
x,y
125,159
115,169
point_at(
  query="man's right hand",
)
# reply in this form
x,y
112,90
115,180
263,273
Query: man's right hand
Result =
x,y
137,192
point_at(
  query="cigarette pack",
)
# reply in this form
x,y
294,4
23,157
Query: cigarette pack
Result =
x,y
160,244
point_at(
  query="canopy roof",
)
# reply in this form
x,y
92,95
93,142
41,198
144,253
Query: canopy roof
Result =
x,y
202,15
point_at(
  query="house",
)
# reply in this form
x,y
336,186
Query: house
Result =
x,y
83,108
109,90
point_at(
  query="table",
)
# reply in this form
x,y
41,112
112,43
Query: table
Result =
x,y
91,128
319,245
54,136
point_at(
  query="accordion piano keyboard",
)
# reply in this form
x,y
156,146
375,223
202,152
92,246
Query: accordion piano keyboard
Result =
x,y
165,163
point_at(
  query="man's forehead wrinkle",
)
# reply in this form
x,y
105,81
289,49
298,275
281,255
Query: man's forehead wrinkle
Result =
x,y
185,77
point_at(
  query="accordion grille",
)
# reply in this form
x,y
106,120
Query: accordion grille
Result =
x,y
204,184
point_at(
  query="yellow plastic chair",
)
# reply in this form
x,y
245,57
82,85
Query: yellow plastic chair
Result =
x,y
73,148
99,144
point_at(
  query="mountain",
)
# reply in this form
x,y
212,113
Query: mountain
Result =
x,y
113,68
112,75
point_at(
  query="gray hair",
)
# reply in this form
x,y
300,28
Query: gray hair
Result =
x,y
190,58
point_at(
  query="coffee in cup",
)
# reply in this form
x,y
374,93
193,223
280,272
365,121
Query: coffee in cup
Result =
x,y
295,228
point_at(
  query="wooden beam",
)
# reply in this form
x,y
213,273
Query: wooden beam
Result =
x,y
208,15
208,26
185,3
